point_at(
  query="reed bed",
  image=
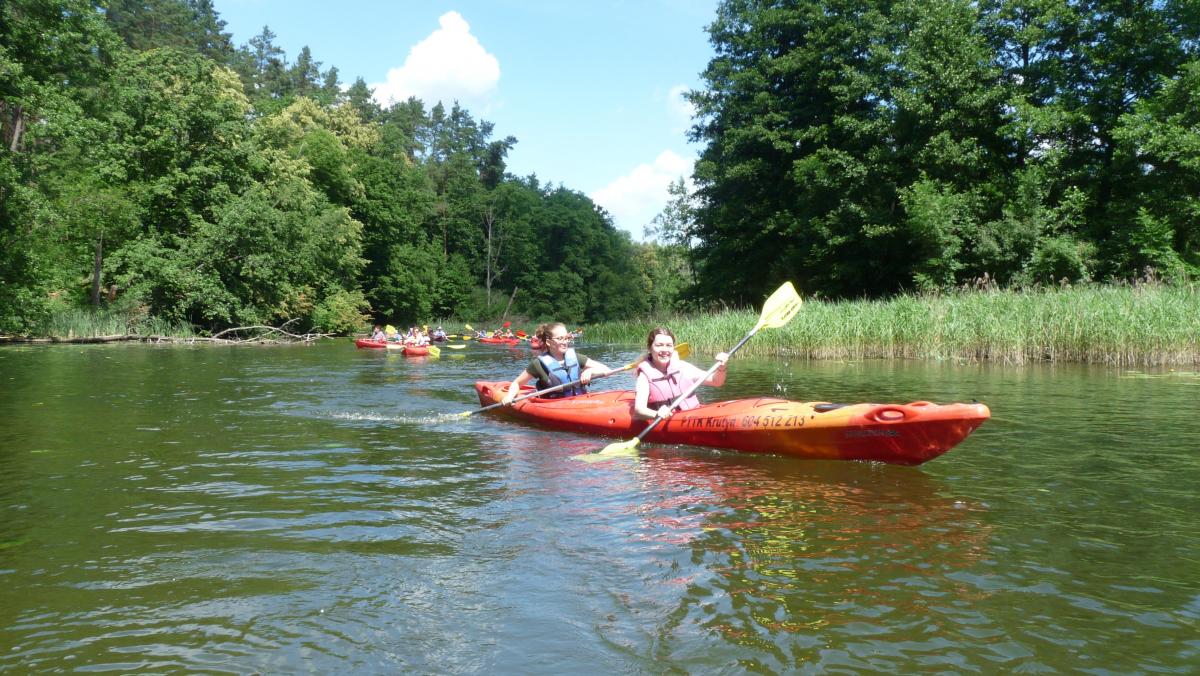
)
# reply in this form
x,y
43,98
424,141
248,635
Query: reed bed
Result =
x,y
84,323
1138,325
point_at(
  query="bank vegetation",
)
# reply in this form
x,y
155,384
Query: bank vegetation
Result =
x,y
1144,324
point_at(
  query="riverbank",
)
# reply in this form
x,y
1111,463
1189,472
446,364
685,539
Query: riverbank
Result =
x,y
81,326
1139,325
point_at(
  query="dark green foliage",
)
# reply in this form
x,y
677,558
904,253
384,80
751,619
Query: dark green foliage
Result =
x,y
188,25
868,146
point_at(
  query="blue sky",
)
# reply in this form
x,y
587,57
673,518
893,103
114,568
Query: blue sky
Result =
x,y
589,89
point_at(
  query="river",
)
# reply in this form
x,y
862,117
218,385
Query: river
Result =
x,y
311,509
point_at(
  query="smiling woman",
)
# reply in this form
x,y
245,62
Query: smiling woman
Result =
x,y
557,365
664,377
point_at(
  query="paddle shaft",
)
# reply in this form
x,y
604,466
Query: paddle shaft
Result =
x,y
695,386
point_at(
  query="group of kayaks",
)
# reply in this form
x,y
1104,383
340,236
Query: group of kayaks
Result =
x,y
423,350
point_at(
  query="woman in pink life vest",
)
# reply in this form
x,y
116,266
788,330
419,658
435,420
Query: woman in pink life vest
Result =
x,y
664,376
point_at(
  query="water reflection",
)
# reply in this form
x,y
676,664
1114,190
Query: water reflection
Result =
x,y
286,510
791,558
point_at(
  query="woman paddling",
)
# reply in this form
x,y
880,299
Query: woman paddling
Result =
x,y
557,364
664,376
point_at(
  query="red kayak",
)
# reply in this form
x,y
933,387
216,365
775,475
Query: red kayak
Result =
x,y
362,343
500,341
902,434
416,350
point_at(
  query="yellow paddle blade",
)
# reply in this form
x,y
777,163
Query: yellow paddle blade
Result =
x,y
683,349
780,307
614,450
456,346
619,448
468,327
433,350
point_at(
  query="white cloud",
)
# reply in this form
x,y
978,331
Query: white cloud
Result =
x,y
637,197
448,65
682,111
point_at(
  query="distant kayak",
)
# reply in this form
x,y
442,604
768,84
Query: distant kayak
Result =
x,y
500,341
902,434
407,350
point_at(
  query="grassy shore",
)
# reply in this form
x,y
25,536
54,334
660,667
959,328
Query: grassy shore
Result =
x,y
1140,325
85,323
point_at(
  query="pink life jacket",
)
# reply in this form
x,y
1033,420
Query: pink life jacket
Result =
x,y
665,388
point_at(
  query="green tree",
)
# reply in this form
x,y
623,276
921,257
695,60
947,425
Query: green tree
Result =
x,y
405,292
795,180
1125,49
1162,137
42,46
360,96
305,74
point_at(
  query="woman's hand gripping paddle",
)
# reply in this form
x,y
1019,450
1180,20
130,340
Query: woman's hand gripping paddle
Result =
x,y
683,349
777,311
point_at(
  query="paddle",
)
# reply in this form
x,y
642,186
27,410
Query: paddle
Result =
x,y
777,311
683,349
456,346
434,351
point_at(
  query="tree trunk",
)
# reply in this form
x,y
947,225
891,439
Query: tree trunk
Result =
x,y
487,275
17,118
510,300
97,267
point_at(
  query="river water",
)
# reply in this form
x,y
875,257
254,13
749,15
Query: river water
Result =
x,y
305,509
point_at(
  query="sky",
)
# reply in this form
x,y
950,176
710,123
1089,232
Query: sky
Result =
x,y
590,89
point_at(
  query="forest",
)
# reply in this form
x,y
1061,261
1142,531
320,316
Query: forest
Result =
x,y
861,148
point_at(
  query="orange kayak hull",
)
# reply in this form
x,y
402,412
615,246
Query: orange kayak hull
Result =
x,y
902,434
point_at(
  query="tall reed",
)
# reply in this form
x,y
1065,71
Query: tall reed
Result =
x,y
85,323
1145,324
